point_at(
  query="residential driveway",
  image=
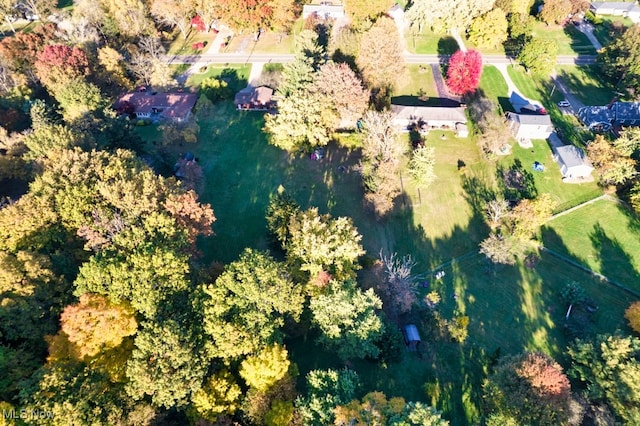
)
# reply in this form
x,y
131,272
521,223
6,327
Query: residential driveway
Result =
x,y
587,29
446,98
575,102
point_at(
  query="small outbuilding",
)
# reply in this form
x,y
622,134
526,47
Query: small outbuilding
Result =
x,y
573,162
411,336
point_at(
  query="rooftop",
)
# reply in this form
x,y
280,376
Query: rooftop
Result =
x,y
455,114
622,113
531,119
572,156
169,105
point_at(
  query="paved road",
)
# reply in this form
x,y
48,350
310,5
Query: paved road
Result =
x,y
241,58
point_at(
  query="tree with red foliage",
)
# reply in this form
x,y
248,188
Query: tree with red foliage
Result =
x,y
198,23
58,64
530,387
465,69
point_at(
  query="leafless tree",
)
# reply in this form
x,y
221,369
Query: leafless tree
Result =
x,y
496,210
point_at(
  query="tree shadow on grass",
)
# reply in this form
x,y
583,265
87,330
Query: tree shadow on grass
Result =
x,y
615,262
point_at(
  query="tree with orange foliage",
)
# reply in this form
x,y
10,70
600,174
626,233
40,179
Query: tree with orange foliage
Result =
x,y
95,324
632,314
531,388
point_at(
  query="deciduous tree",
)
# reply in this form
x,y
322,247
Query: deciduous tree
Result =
x,y
347,318
320,243
220,394
445,15
246,306
174,13
620,61
380,57
490,29
614,168
628,144
362,12
632,314
464,71
398,285
302,120
609,368
112,64
498,249
167,364
381,153
262,370
539,55
94,324
129,16
423,160
555,11
78,98
326,389
340,88
58,64
531,388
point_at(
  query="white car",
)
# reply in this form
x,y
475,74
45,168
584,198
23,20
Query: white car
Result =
x,y
564,104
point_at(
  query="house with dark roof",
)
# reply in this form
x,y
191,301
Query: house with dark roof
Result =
x,y
573,162
616,114
158,106
626,9
529,126
425,118
323,10
255,99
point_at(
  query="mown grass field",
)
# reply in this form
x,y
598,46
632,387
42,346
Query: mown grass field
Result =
x,y
550,180
585,83
602,236
430,42
570,41
510,308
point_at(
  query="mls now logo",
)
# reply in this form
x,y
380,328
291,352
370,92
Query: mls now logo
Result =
x,y
27,414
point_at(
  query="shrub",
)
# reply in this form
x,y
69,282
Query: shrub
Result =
x,y
632,314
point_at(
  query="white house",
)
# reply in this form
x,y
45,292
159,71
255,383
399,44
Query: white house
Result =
x,y
426,118
324,10
573,162
626,9
529,126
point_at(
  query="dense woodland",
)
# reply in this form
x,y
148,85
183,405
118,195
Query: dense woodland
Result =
x,y
108,312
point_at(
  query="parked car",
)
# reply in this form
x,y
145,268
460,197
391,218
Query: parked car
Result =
x,y
564,104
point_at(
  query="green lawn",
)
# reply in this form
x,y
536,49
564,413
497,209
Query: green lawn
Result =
x,y
550,181
416,82
182,46
237,75
429,42
586,84
269,42
510,308
602,236
494,87
570,41
604,31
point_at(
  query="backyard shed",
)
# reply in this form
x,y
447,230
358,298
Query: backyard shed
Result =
x,y
411,336
573,162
